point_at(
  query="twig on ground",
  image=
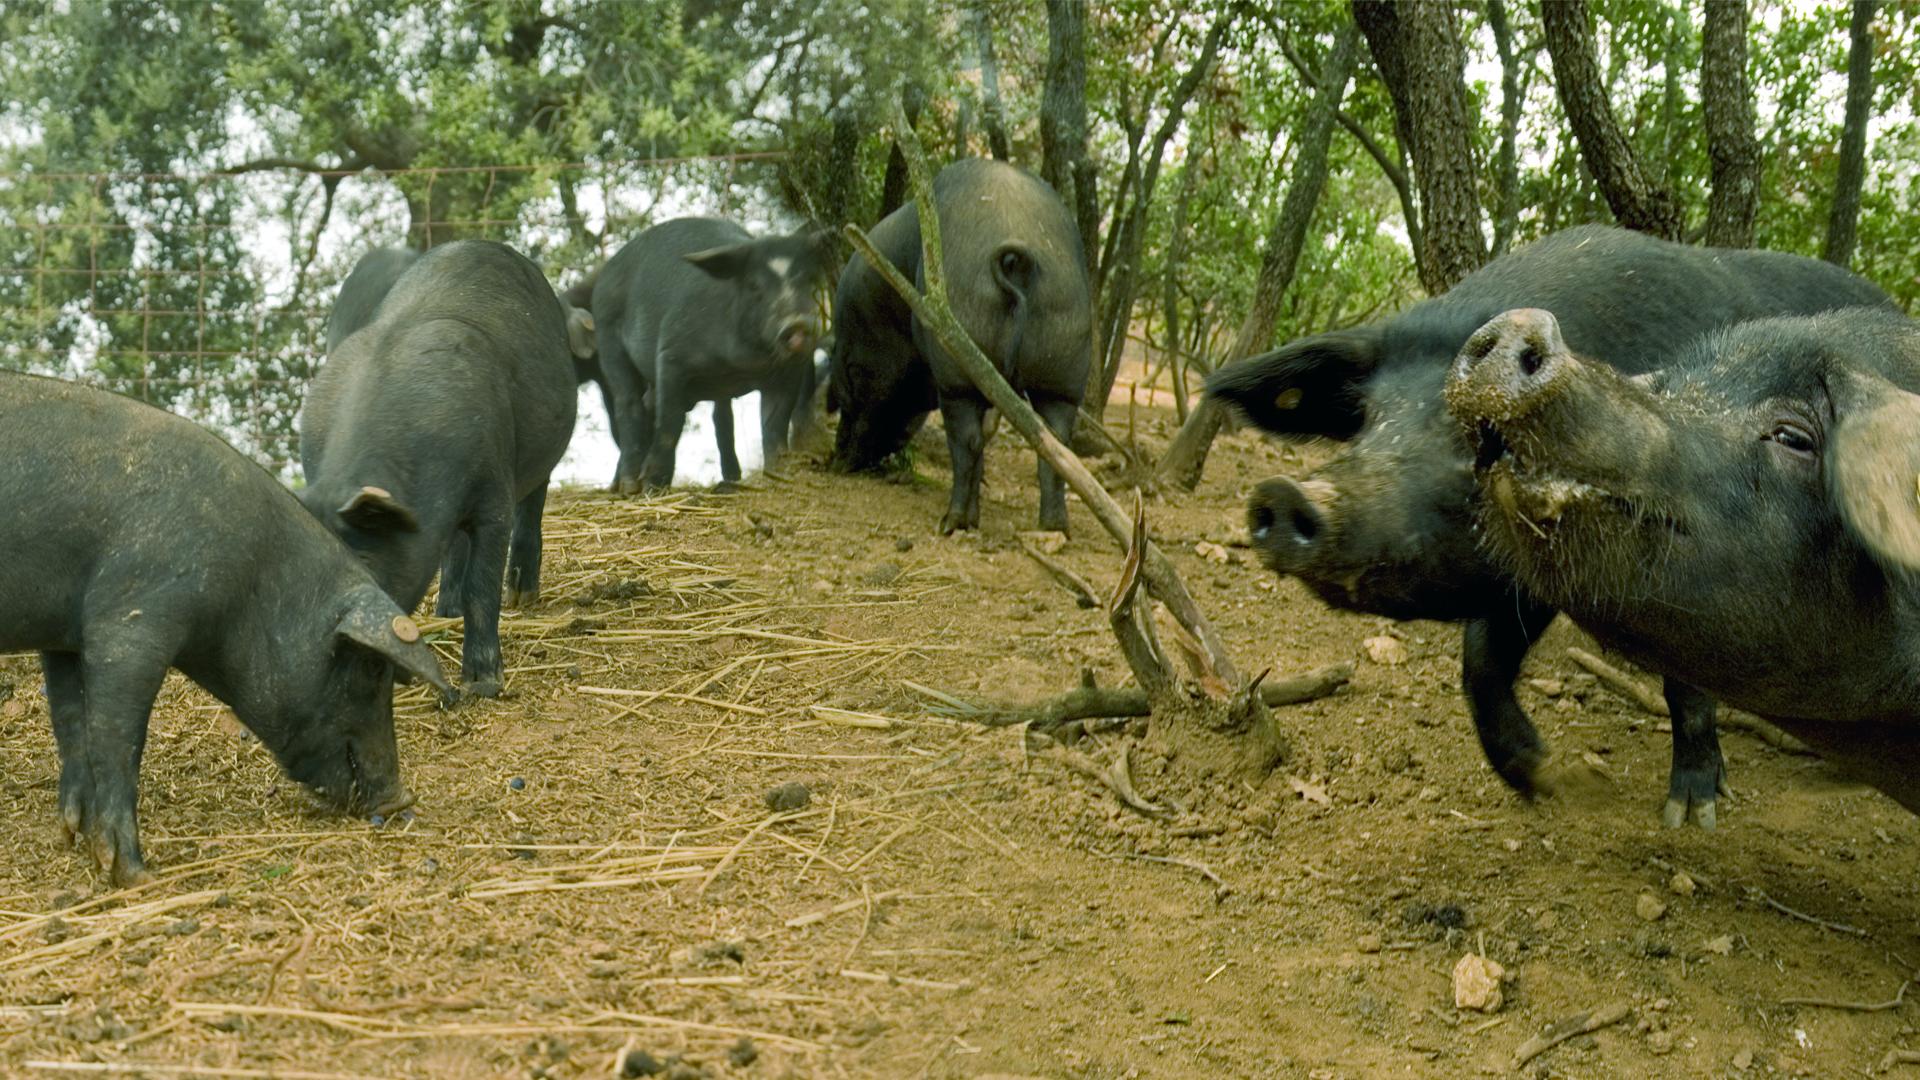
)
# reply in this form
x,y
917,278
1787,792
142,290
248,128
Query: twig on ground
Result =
x,y
1083,592
842,908
1116,777
1899,1057
1620,682
902,980
1856,1006
1578,1024
1842,928
1088,702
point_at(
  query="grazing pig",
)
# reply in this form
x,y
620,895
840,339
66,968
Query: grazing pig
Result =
x,y
137,541
1386,527
1745,520
695,310
366,286
432,431
1016,280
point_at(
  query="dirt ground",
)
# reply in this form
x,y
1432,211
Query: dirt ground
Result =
x,y
595,868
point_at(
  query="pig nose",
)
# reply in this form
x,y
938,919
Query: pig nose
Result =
x,y
1516,359
1287,525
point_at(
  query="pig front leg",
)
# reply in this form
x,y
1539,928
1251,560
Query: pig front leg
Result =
x,y
480,665
1699,774
670,404
100,702
523,557
1491,652
453,576
962,414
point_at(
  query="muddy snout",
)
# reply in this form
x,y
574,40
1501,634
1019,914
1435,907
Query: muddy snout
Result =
x,y
1289,522
1508,369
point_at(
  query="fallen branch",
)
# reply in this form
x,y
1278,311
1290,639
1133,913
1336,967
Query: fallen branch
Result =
x,y
1840,928
1088,702
1856,1006
1117,777
1620,682
1579,1024
1083,593
1899,1057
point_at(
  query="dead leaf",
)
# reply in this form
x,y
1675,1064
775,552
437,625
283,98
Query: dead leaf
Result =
x,y
1311,790
1720,946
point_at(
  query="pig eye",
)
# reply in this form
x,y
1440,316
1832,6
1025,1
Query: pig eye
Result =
x,y
1793,437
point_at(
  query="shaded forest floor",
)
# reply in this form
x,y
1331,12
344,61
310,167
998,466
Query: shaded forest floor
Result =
x,y
595,866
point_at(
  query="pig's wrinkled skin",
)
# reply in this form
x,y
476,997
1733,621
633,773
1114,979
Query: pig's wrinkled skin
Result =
x,y
137,541
1387,526
1746,520
430,434
1017,281
694,310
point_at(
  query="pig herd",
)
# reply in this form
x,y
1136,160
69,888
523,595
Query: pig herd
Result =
x,y
1709,459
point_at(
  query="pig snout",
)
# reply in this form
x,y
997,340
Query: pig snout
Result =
x,y
1509,366
1289,523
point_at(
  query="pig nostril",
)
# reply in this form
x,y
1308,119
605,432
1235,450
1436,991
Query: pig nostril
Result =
x,y
1531,361
1262,522
1305,527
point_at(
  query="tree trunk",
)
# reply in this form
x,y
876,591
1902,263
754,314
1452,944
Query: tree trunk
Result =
x,y
1186,459
1110,332
1637,200
1728,105
1063,119
1853,138
1417,48
995,119
1170,295
1506,209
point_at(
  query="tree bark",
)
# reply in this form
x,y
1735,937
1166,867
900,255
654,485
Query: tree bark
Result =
x,y
1637,200
1728,104
1845,216
1170,296
1063,119
1506,210
1186,459
1417,49
995,119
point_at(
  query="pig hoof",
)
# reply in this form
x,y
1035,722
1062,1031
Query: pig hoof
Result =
x,y
952,523
488,687
726,487
1678,811
522,600
446,607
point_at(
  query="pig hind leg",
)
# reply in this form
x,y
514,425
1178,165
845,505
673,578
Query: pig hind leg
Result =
x,y
1699,773
723,441
100,703
962,413
480,597
1059,414
1491,651
523,557
670,405
453,577
631,417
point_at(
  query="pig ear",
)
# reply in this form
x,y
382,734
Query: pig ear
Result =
x,y
377,623
375,510
580,337
1306,387
1873,468
724,262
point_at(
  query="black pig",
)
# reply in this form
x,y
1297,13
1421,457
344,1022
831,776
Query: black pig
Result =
x,y
432,431
696,310
1387,526
1016,280
366,286
1745,520
137,541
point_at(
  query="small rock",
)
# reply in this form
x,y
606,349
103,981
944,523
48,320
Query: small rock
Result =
x,y
517,783
1681,884
1649,907
1385,651
743,1053
1510,844
1720,946
1548,920
884,574
1368,943
791,795
1743,1060
1660,1042
1211,552
13,708
903,545
1550,687
1476,984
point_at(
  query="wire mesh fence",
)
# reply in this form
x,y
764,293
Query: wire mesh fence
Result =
x,y
208,293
